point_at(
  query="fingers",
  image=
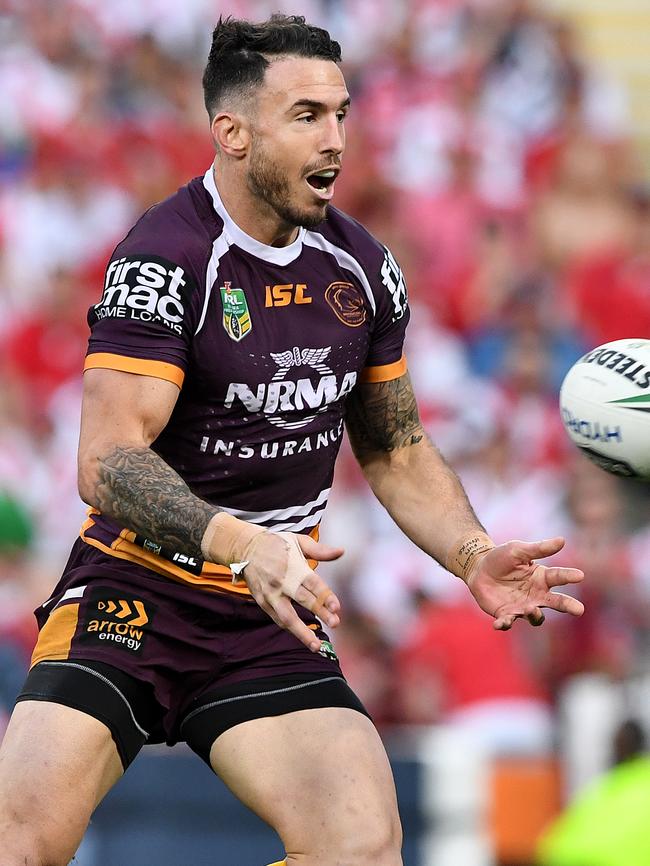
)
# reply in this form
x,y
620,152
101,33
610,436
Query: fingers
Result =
x,y
564,603
535,615
306,587
325,605
298,582
322,596
504,623
562,576
315,550
537,549
283,614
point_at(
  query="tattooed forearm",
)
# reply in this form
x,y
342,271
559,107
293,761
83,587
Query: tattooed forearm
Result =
x,y
143,493
383,416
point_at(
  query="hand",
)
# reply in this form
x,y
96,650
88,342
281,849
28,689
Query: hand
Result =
x,y
278,571
508,584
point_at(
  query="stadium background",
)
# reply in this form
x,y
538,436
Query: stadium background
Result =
x,y
501,148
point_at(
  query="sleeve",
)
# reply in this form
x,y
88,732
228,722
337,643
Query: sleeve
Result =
x,y
147,314
385,360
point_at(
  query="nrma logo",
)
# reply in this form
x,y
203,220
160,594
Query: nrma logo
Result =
x,y
147,289
282,398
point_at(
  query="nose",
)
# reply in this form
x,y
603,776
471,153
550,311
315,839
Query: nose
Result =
x,y
333,140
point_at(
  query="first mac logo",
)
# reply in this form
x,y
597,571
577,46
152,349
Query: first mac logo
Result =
x,y
145,288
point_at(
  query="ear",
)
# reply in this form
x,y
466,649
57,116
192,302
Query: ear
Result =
x,y
231,134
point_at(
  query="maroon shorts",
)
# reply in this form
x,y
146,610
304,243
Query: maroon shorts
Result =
x,y
159,661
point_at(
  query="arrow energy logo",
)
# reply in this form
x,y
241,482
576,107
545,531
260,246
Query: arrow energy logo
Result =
x,y
119,620
124,610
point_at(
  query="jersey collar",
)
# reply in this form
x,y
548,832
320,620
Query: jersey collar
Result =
x,y
274,255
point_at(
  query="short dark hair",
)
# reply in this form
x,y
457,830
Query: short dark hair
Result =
x,y
238,56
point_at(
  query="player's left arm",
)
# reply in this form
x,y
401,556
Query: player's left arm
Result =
x,y
426,499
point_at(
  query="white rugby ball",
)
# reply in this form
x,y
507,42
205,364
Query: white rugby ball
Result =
x,y
605,406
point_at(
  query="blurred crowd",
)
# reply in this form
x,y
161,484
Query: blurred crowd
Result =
x,y
499,167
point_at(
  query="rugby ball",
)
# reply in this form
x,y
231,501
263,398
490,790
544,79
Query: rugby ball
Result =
x,y
605,406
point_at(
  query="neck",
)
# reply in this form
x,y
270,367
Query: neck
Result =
x,y
252,214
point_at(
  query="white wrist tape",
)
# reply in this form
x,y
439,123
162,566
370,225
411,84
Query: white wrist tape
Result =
x,y
227,539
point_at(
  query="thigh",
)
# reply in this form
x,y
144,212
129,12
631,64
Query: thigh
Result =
x,y
56,764
320,778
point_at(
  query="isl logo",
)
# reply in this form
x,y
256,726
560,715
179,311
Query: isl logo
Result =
x,y
236,315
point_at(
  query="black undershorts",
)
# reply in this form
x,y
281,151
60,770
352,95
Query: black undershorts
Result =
x,y
130,711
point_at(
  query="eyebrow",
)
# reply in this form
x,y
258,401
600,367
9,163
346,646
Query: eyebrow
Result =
x,y
318,106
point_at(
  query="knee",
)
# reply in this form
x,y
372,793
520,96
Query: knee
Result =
x,y
23,844
371,843
32,855
32,836
379,844
29,852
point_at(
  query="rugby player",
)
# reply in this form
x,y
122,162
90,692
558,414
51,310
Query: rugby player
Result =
x,y
244,321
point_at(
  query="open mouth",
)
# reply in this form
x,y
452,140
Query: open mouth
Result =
x,y
323,180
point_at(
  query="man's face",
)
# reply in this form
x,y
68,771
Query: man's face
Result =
x,y
297,130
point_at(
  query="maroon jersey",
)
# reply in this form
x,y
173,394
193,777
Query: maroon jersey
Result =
x,y
265,344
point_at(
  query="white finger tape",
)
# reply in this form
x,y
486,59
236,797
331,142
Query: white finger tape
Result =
x,y
297,566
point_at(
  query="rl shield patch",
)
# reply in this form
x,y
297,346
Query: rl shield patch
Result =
x,y
236,315
114,618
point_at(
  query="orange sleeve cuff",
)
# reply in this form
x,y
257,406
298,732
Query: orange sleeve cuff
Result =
x,y
385,372
139,366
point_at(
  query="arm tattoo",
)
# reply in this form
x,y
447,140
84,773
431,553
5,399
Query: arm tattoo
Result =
x,y
383,416
142,492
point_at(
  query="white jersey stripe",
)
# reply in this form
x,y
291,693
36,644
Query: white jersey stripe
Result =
x,y
219,248
305,523
280,513
75,592
313,239
238,237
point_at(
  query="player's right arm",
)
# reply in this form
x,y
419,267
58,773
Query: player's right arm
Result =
x,y
121,476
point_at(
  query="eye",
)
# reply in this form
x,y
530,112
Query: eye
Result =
x,y
341,115
306,118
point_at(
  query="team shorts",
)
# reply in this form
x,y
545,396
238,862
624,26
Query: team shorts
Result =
x,y
158,661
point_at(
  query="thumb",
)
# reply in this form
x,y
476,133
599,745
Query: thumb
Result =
x,y
537,549
315,550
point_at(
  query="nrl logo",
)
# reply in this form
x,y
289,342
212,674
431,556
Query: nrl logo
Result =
x,y
236,315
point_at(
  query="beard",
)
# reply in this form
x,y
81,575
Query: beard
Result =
x,y
267,181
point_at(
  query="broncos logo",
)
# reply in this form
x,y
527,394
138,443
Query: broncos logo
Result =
x,y
347,302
